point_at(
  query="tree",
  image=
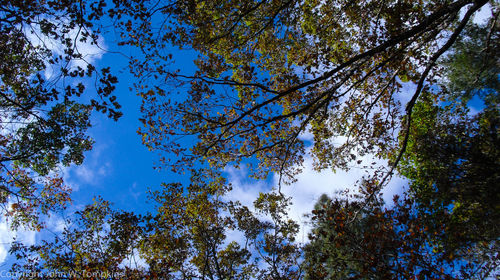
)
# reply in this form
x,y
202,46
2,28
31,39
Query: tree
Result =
x,y
44,116
472,67
189,235
380,243
186,238
452,159
269,71
341,248
445,228
98,243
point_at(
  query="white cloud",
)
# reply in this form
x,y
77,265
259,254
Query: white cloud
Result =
x,y
310,185
93,170
90,52
243,190
55,223
134,191
481,16
7,236
134,260
5,240
484,14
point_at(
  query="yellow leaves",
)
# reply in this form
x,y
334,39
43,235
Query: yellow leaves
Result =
x,y
201,5
404,78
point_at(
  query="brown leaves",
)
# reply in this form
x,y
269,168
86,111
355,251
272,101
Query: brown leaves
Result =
x,y
269,69
393,243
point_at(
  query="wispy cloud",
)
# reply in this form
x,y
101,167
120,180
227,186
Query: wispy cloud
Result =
x,y
56,223
93,170
134,261
7,236
89,50
310,185
134,191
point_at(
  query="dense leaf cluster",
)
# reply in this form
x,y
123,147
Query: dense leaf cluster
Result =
x,y
43,113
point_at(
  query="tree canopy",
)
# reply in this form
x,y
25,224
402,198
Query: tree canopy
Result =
x,y
44,118
270,71
184,239
396,80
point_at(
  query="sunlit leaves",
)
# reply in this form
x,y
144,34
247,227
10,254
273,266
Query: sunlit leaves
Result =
x,y
96,243
280,69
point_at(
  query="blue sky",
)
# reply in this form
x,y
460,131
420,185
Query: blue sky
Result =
x,y
118,168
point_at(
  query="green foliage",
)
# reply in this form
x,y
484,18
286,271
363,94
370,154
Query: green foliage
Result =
x,y
269,71
472,68
93,245
452,163
185,239
452,159
43,119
